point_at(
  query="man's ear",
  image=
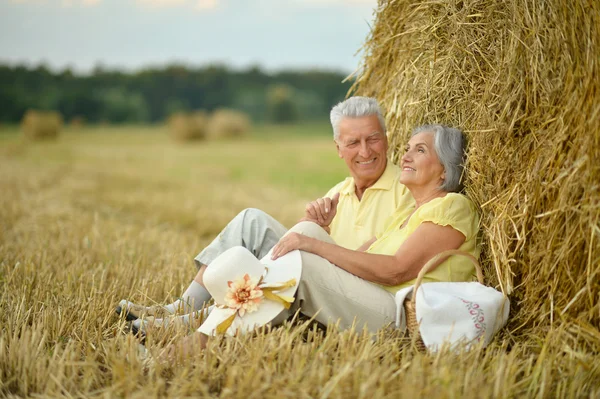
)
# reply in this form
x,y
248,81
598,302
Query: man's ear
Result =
x,y
337,146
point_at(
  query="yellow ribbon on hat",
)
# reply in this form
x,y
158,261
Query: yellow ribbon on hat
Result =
x,y
268,293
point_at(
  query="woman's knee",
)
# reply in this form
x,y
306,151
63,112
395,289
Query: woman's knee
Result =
x,y
314,268
311,229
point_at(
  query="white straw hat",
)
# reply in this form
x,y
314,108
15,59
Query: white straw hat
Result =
x,y
249,293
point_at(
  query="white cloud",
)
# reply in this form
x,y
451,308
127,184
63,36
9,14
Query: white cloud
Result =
x,y
85,3
161,3
360,3
206,5
29,1
277,33
199,5
63,3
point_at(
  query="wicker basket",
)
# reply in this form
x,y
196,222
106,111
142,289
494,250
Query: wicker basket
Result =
x,y
410,303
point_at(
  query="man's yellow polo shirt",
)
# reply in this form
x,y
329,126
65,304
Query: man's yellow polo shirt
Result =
x,y
356,222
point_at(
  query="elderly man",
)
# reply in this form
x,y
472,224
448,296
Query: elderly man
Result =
x,y
353,211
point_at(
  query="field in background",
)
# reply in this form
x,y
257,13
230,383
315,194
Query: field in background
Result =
x,y
109,213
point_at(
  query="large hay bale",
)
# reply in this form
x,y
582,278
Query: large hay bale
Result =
x,y
227,123
188,126
41,125
522,78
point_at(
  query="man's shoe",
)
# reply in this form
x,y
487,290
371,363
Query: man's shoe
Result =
x,y
133,311
138,331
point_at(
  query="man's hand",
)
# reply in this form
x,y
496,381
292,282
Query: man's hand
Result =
x,y
323,210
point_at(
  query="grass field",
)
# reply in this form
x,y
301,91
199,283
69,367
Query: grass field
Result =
x,y
110,213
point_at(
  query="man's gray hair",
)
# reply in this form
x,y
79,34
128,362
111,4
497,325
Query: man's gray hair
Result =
x,y
450,145
355,107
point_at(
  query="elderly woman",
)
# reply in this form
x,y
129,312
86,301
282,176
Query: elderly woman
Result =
x,y
442,219
358,287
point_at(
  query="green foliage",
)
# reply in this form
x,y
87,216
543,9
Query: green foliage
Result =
x,y
310,105
252,101
120,106
281,106
154,94
175,105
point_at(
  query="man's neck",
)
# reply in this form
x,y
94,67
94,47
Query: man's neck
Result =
x,y
361,187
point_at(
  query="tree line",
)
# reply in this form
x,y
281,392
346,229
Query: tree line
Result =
x,y
151,95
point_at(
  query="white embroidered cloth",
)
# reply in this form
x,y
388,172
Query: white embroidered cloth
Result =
x,y
455,312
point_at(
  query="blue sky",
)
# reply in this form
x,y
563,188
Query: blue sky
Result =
x,y
131,34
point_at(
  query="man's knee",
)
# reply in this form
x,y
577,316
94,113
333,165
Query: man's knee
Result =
x,y
255,217
249,214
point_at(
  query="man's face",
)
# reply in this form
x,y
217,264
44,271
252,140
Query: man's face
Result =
x,y
363,146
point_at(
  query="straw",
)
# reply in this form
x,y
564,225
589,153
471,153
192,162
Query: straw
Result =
x,y
522,79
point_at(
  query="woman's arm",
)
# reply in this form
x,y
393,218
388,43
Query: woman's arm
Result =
x,y
366,245
428,240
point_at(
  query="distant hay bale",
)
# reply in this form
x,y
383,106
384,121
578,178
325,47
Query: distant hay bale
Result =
x,y
77,122
188,126
227,123
522,78
41,125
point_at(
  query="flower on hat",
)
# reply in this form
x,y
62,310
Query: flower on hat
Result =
x,y
243,295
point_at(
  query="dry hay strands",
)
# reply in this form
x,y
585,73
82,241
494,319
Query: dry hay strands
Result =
x,y
521,77
188,126
41,125
228,123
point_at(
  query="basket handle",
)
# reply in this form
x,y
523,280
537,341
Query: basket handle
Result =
x,y
437,257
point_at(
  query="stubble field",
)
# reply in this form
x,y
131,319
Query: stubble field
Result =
x,y
103,214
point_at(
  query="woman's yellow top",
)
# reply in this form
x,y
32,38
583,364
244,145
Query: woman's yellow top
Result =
x,y
453,210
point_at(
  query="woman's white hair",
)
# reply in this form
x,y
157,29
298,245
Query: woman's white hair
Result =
x,y
450,145
355,107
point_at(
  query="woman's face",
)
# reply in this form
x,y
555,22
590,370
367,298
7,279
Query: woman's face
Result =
x,y
421,167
